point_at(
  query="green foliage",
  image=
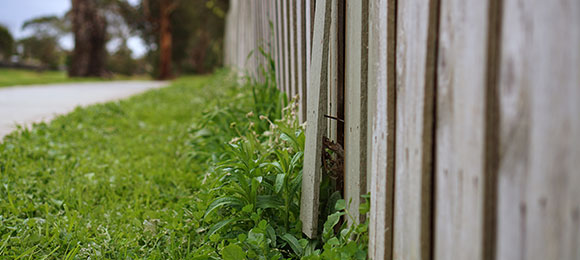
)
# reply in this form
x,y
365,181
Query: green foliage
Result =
x,y
41,50
197,32
254,177
6,43
122,62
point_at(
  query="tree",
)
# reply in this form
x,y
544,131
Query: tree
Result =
x,y
122,62
42,51
89,26
190,41
165,39
42,47
6,43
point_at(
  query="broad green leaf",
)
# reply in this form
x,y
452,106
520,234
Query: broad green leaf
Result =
x,y
269,201
223,201
331,221
218,226
279,182
340,205
294,244
233,252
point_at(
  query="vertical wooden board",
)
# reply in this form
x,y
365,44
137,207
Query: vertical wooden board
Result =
x,y
356,64
462,95
302,61
279,46
331,132
286,46
371,94
259,37
308,36
291,48
382,76
416,27
539,87
316,124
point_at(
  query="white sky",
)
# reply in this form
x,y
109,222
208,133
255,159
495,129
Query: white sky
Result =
x,y
13,13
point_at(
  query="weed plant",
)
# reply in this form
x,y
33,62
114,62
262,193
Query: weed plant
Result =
x,y
254,179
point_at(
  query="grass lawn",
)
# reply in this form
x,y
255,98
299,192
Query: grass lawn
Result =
x,y
109,181
13,77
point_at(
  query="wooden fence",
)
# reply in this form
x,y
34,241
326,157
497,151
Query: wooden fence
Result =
x,y
460,117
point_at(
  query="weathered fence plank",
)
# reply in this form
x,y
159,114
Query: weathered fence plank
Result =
x,y
382,77
416,27
286,46
356,107
463,92
291,9
302,58
316,126
333,73
539,86
308,42
279,46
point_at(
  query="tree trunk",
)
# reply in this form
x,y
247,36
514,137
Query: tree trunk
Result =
x,y
165,40
90,32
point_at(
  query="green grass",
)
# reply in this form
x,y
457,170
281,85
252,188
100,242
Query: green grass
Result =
x,y
110,181
203,169
13,77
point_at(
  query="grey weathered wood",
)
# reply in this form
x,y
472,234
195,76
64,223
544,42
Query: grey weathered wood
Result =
x,y
331,131
291,47
539,171
279,46
286,46
416,26
301,58
308,41
316,124
356,107
461,163
382,76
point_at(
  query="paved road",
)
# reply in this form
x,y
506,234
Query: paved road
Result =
x,y
24,105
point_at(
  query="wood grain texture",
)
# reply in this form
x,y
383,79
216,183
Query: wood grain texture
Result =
x,y
279,46
286,46
539,87
356,107
308,22
464,90
316,123
292,91
382,77
416,35
333,64
301,59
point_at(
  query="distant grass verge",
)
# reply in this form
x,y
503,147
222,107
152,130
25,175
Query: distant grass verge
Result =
x,y
17,77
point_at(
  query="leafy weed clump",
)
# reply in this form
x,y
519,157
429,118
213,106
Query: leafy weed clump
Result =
x,y
254,147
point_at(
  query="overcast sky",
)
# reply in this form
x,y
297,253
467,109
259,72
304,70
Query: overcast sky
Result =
x,y
13,13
